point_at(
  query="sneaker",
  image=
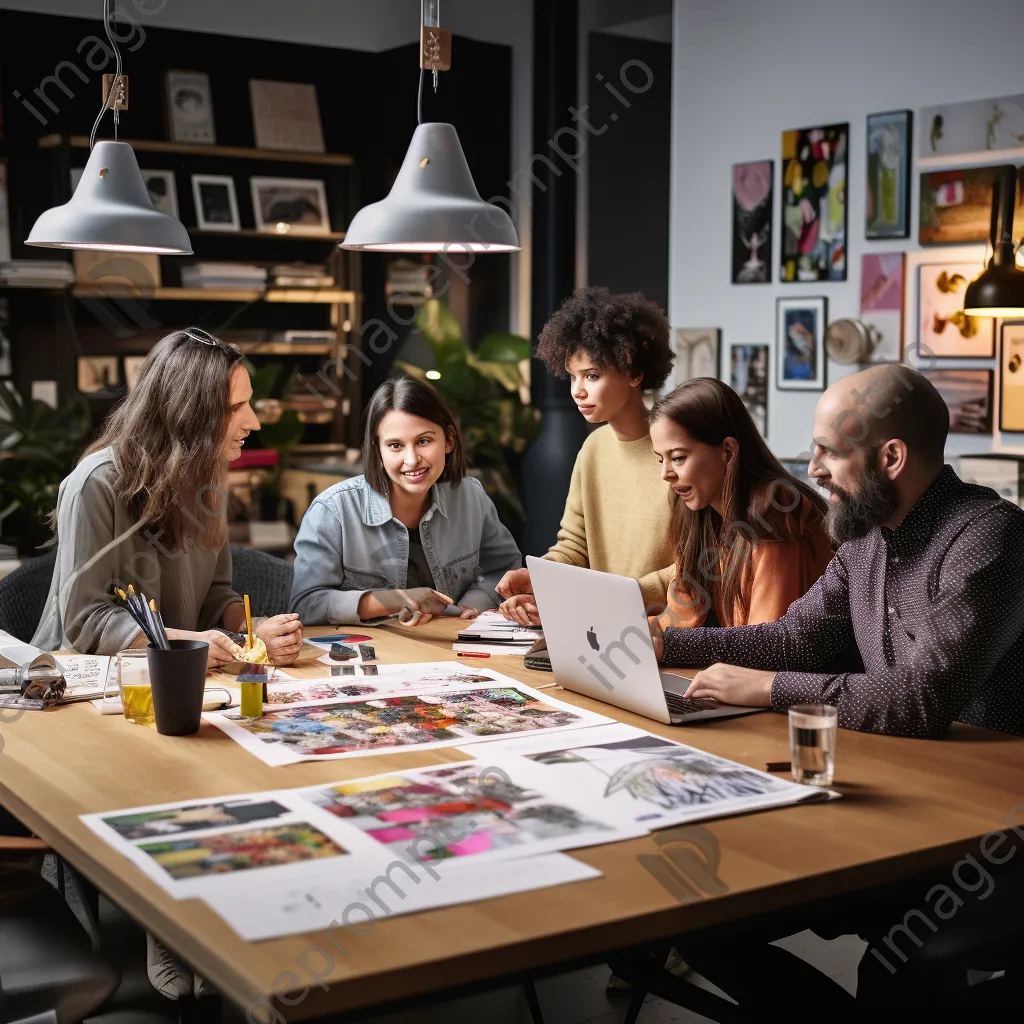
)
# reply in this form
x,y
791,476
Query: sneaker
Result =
x,y
168,975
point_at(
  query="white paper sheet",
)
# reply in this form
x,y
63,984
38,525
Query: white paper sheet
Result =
x,y
84,674
422,720
435,821
627,775
323,900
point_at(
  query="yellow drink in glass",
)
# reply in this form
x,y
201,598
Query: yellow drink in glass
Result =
x,y
137,701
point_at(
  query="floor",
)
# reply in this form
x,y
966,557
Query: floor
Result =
x,y
578,997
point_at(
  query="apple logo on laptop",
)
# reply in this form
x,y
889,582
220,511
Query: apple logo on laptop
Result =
x,y
592,639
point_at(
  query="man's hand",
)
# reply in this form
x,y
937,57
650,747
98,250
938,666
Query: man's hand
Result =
x,y
522,609
731,684
283,636
516,581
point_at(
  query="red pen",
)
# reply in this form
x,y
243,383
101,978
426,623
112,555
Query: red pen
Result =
x,y
469,654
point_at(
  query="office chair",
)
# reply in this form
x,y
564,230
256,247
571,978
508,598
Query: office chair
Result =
x,y
23,595
267,580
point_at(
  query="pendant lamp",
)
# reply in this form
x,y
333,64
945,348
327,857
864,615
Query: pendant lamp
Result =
x,y
434,205
999,291
111,209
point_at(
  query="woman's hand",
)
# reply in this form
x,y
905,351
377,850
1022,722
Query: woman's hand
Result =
x,y
522,609
283,636
415,607
515,581
468,613
222,648
657,637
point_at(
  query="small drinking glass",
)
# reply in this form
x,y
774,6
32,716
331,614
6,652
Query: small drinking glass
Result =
x,y
812,743
133,685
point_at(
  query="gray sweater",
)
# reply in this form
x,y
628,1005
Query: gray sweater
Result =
x,y
100,546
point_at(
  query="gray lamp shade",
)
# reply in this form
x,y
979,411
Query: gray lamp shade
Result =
x,y
111,210
433,206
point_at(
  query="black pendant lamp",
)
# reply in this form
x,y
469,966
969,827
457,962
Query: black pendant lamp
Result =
x,y
999,291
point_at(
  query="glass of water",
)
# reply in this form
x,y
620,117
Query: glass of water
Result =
x,y
812,743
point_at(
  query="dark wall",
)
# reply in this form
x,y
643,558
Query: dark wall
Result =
x,y
630,165
367,107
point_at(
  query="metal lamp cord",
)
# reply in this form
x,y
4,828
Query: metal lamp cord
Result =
x,y
108,102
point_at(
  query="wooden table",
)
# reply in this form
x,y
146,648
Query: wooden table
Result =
x,y
908,805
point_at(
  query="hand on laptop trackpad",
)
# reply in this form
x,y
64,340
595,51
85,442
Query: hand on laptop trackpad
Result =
x,y
673,683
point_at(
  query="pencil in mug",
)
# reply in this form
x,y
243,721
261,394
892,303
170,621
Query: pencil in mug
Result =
x,y
160,628
141,621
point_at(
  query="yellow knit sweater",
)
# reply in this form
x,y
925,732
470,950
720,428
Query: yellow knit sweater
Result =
x,y
616,517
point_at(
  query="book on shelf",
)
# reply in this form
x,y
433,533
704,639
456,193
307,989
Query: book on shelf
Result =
x,y
300,275
37,273
223,275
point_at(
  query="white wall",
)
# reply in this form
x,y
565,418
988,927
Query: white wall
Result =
x,y
372,25
745,71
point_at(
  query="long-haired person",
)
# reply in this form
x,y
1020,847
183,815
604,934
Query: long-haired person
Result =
x,y
146,506
747,535
414,534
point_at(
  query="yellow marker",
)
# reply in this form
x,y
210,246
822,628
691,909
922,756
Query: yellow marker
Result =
x,y
122,594
248,619
131,590
152,605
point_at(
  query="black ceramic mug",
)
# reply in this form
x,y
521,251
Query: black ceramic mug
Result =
x,y
178,678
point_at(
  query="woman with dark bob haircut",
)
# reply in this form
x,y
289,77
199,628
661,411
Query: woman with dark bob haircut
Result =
x,y
409,532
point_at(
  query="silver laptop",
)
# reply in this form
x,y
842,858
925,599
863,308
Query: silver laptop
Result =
x,y
600,645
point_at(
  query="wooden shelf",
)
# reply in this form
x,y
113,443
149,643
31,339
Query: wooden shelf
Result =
x,y
298,295
281,348
193,149
980,158
333,236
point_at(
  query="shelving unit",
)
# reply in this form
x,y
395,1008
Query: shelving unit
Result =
x,y
343,302
194,149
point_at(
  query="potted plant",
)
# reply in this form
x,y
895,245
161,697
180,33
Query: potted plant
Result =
x,y
39,446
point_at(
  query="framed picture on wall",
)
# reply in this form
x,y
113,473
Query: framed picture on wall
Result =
x,y
945,331
296,206
800,344
752,222
1011,380
973,127
162,191
190,107
814,177
956,205
696,352
968,396
887,199
747,374
881,303
216,202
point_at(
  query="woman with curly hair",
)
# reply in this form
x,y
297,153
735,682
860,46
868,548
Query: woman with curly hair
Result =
x,y
147,505
617,515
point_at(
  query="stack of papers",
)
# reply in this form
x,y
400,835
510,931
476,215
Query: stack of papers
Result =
x,y
492,633
223,275
289,861
37,273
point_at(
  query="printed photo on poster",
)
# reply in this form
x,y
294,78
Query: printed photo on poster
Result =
x,y
1011,380
696,353
814,177
968,395
888,192
296,206
752,209
97,375
748,377
972,127
881,303
800,344
162,191
956,206
945,331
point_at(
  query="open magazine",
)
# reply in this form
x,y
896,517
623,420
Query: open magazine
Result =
x,y
32,679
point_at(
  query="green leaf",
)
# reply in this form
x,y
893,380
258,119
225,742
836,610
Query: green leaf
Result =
x,y
500,347
437,322
456,381
505,374
283,435
264,379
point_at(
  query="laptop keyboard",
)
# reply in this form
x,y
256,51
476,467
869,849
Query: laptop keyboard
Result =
x,y
685,705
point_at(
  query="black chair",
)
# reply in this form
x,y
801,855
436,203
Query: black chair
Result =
x,y
23,595
48,968
267,580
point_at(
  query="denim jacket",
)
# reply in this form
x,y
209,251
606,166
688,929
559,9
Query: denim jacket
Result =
x,y
350,543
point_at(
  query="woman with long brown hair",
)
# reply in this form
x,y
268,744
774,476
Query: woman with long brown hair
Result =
x,y
146,506
747,535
